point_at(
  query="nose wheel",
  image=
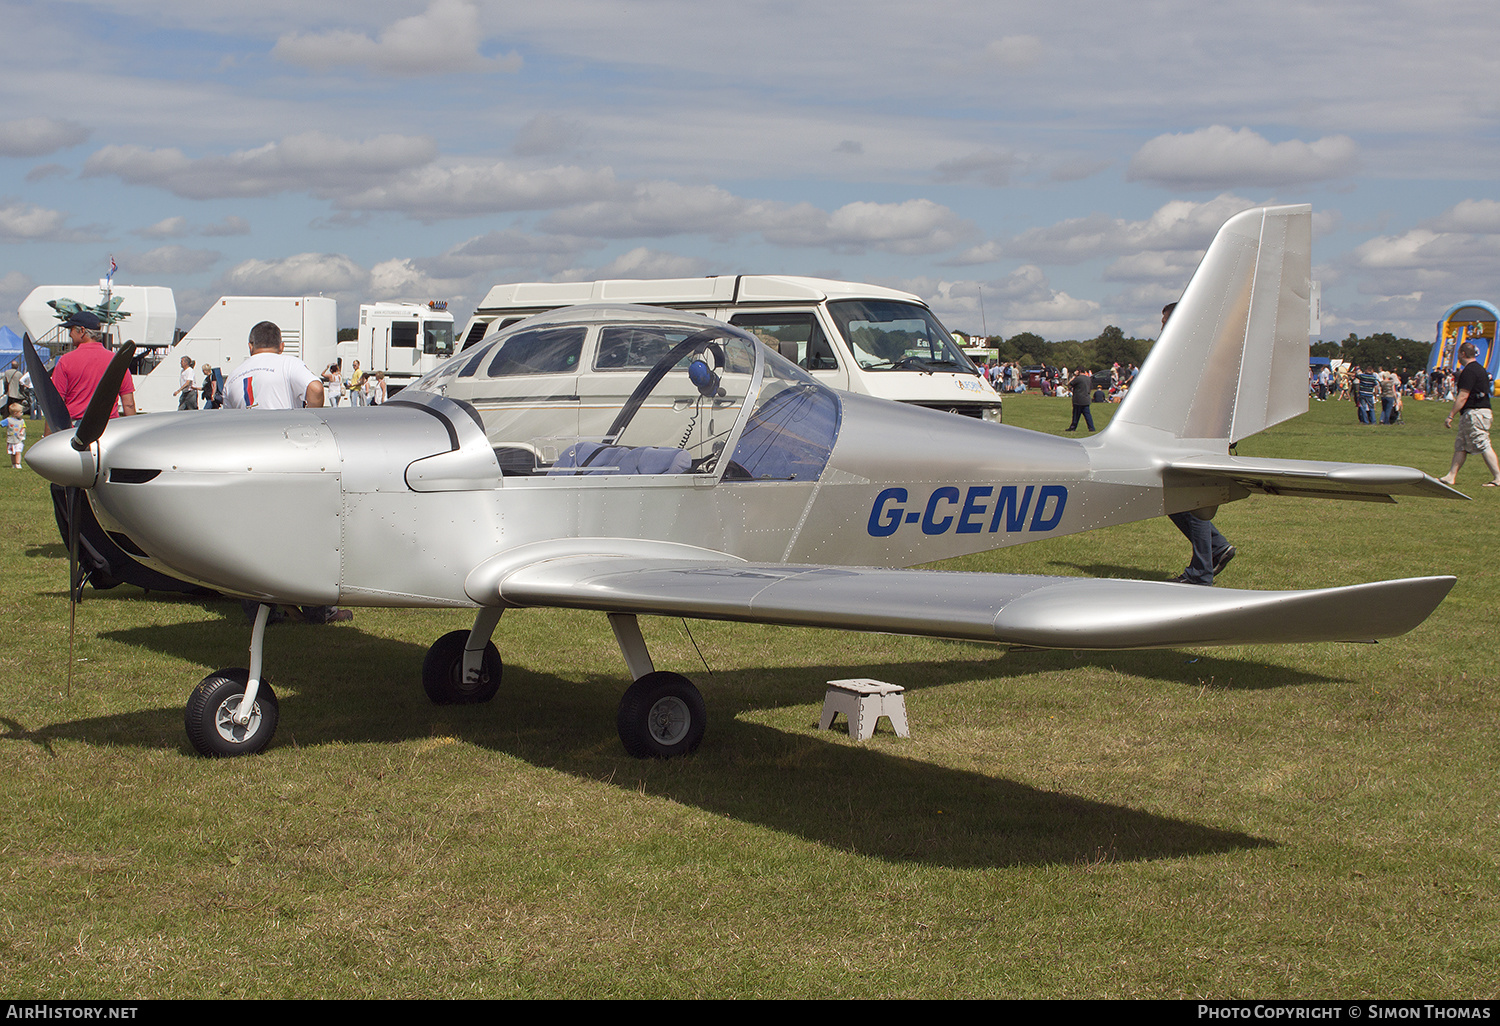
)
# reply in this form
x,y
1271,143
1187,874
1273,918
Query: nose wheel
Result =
x,y
214,710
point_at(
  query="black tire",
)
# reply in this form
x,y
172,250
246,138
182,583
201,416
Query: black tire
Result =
x,y
212,703
661,716
443,672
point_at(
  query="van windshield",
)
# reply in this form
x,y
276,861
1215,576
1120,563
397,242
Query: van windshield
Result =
x,y
891,335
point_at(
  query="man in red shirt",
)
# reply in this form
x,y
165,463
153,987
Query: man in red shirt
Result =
x,y
78,372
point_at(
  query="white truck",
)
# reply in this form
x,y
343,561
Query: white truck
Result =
x,y
405,340
221,339
855,337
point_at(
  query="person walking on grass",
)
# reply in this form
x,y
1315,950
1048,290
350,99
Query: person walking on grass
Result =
x,y
1472,406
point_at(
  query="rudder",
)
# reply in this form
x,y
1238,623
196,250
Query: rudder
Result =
x,y
1232,361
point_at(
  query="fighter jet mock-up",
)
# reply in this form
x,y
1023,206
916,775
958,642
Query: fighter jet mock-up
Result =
x,y
635,460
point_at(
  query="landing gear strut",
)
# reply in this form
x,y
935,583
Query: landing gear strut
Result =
x,y
234,711
662,714
463,667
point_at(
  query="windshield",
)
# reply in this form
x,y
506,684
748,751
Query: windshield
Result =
x,y
437,338
891,335
595,394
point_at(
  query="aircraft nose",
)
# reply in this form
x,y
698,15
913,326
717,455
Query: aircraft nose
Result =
x,y
55,459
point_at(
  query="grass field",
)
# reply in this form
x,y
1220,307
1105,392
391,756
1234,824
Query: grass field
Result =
x,y
1244,822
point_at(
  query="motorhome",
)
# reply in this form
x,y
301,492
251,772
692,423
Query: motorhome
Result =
x,y
851,336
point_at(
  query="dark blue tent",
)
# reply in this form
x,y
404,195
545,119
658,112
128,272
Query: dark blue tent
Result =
x,y
10,348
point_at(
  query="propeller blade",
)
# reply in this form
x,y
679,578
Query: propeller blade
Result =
x,y
54,410
96,417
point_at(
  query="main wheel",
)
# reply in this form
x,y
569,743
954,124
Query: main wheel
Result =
x,y
443,672
661,716
211,707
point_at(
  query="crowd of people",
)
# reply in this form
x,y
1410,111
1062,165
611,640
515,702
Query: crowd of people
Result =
x,y
359,388
1012,378
203,388
1380,388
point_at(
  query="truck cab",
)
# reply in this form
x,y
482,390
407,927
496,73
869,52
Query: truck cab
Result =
x,y
405,340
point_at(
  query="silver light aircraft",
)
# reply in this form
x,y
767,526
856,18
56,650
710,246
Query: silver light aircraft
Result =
x,y
635,460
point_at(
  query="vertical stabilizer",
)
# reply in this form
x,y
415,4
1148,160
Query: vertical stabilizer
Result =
x,y
1232,361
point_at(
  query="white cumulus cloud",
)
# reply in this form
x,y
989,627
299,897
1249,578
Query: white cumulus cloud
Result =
x,y
310,161
1480,217
37,137
911,227
167,228
444,39
1176,225
642,262
304,274
436,192
21,222
1219,157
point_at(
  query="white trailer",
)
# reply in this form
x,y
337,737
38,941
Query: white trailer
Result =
x,y
148,313
221,338
405,340
852,336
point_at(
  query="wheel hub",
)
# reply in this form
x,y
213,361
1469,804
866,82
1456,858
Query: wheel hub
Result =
x,y
669,720
230,730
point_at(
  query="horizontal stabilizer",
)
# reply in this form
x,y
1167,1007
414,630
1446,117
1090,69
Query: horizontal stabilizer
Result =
x,y
1312,479
1040,612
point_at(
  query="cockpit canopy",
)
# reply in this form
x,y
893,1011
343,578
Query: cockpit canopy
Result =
x,y
614,390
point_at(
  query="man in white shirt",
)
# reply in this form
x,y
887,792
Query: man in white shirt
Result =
x,y
271,380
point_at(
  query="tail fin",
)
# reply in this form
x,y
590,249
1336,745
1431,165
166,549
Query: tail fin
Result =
x,y
1232,360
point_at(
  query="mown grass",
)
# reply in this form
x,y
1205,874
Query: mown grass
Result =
x,y
1265,821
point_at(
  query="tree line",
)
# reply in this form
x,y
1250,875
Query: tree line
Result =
x,y
1403,355
1027,348
1111,346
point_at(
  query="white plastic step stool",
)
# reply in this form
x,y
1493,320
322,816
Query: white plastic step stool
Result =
x,y
863,701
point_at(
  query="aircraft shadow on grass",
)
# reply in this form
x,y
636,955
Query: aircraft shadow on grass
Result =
x,y
864,799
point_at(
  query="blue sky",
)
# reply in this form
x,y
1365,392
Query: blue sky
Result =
x,y
1068,162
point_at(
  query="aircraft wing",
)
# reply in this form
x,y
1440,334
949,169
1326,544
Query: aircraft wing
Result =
x,y
1314,479
1040,612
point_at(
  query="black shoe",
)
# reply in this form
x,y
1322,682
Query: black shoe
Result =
x,y
1183,579
1224,557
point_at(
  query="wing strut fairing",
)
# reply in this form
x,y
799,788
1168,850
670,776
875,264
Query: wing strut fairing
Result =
x,y
1039,612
